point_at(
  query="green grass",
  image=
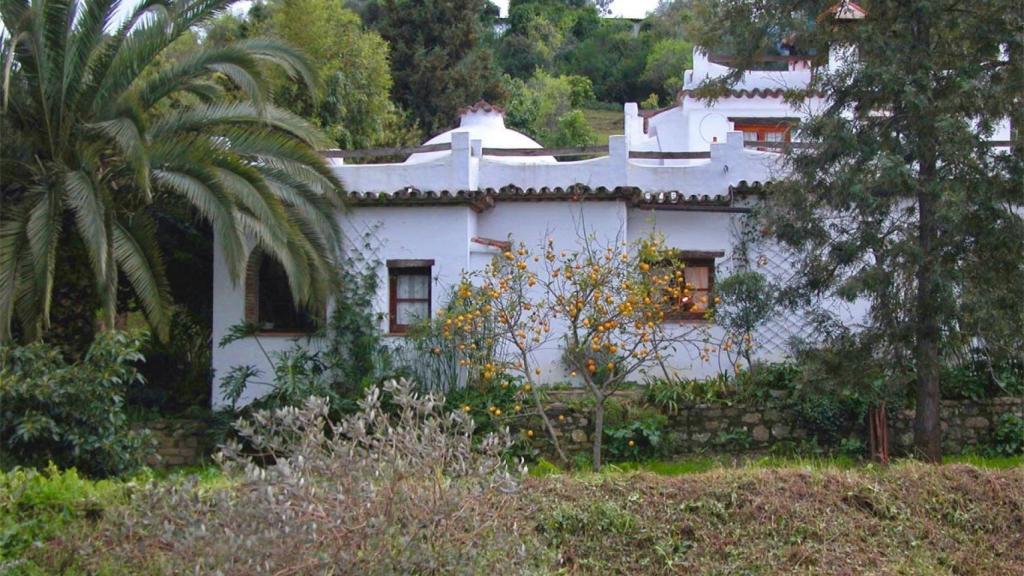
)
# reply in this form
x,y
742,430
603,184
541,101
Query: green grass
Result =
x,y
207,474
988,462
668,468
605,123
699,464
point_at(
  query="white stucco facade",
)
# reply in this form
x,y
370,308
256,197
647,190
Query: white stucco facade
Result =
x,y
438,205
433,212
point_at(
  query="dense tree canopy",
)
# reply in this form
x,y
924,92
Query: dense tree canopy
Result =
x,y
548,108
542,33
569,37
900,199
438,60
354,105
101,133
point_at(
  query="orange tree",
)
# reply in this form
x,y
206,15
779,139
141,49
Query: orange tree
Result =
x,y
498,320
609,305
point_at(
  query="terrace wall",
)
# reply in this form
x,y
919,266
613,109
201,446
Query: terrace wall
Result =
x,y
966,424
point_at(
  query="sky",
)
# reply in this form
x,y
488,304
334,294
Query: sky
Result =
x,y
622,8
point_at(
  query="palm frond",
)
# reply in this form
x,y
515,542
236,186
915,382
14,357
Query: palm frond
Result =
x,y
294,62
13,252
138,256
143,43
90,220
206,196
43,232
124,132
240,115
198,65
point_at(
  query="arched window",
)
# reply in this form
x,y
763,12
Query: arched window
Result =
x,y
268,299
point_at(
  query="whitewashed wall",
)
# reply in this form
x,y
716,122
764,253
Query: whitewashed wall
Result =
x,y
444,233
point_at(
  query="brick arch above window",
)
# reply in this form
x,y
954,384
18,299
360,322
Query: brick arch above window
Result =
x,y
252,286
268,299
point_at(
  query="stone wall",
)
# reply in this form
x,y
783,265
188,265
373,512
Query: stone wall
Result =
x,y
748,428
178,442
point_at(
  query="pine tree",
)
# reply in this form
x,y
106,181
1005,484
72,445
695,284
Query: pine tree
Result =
x,y
437,60
901,198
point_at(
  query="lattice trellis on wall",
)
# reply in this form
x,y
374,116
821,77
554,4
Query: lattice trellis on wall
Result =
x,y
775,263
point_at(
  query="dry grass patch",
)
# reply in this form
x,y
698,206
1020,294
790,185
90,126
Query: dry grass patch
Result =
x,y
910,519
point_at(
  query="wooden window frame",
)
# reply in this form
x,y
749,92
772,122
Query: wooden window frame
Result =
x,y
696,262
763,128
697,259
398,268
254,265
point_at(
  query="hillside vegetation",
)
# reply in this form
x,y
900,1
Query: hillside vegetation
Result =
x,y
911,519
908,519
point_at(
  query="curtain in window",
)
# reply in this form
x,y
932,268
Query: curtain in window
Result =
x,y
698,278
413,293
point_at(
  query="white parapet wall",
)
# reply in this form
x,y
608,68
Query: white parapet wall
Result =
x,y
465,169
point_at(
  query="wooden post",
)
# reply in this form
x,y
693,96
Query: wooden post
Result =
x,y
878,434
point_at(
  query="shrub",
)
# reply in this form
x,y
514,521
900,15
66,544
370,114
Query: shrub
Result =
x,y
1008,437
38,506
297,374
671,394
430,359
490,403
977,377
402,491
71,414
637,440
573,130
651,102
771,377
746,300
838,384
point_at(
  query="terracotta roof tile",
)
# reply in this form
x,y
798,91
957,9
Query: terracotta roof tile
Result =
x,y
480,106
481,200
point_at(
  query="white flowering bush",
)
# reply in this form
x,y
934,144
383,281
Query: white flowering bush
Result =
x,y
400,487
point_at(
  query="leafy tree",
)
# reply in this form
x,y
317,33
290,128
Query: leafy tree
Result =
x,y
614,60
547,108
899,199
437,60
666,62
542,32
610,300
573,130
99,134
354,104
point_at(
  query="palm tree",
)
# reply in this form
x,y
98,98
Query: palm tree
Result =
x,y
100,129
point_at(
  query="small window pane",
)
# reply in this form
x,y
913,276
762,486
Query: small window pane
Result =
x,y
750,136
775,136
697,277
409,313
410,286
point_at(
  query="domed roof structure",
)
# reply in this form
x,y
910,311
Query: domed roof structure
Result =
x,y
486,123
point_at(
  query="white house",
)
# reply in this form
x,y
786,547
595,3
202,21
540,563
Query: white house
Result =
x,y
684,171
